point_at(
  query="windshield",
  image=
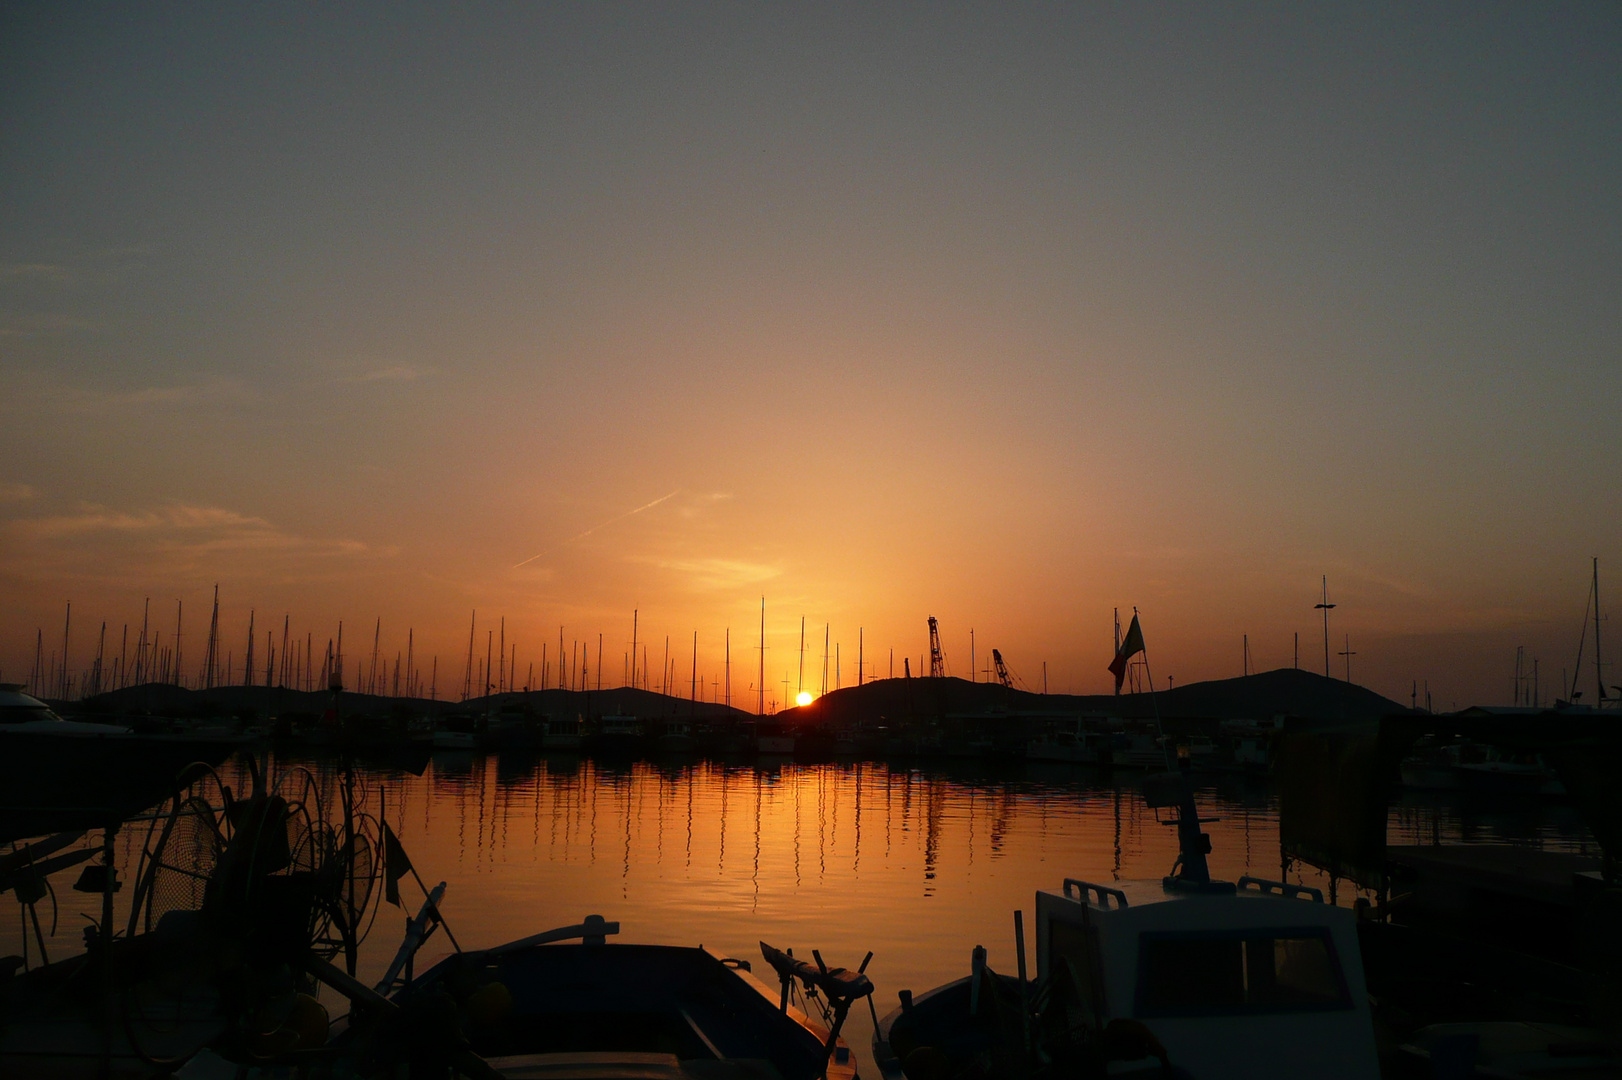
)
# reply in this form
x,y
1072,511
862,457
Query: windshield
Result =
x,y
1246,971
25,714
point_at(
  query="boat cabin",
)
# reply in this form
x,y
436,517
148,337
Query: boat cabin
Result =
x,y
1252,977
1203,977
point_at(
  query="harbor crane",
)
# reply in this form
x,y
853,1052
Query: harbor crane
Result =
x,y
1002,669
937,659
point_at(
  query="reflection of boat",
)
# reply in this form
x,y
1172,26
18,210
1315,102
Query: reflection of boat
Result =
x,y
1208,977
539,1007
59,774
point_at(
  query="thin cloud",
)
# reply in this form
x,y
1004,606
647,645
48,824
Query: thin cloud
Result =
x,y
103,541
97,401
14,324
715,573
594,528
16,492
55,273
396,373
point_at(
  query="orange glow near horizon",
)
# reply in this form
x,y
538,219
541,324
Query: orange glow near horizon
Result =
x,y
1018,322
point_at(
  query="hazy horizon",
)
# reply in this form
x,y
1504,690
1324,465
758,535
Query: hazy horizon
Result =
x,y
1008,316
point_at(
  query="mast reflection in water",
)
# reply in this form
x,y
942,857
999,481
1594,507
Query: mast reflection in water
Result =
x,y
917,865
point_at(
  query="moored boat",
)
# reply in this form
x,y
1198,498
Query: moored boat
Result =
x,y
617,736
1186,976
57,773
566,1003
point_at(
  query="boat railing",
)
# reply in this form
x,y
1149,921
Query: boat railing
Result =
x,y
1103,892
591,932
1281,888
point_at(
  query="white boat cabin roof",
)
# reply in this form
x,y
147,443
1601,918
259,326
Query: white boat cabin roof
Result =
x,y
1254,977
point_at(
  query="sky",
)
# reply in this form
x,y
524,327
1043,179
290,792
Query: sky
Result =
x,y
419,316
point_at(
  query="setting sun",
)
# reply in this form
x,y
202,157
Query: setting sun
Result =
x,y
804,698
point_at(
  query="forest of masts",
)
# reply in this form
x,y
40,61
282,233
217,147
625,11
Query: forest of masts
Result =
x,y
279,658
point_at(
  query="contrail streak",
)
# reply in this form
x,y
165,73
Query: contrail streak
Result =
x,y
594,528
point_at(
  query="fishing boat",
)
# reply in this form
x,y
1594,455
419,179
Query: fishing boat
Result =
x,y
1185,976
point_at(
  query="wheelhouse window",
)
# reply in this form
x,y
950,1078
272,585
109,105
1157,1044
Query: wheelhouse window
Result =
x,y
1249,971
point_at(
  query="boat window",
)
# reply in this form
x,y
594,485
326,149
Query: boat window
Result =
x,y
25,714
1240,972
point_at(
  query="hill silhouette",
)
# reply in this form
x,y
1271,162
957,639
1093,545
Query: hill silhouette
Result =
x,y
1284,692
164,699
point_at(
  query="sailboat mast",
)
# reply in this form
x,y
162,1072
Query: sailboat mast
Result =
x,y
1599,672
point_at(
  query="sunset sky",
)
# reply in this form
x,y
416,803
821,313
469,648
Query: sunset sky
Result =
x,y
1007,315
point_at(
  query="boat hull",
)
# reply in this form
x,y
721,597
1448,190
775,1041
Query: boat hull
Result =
x,y
618,1002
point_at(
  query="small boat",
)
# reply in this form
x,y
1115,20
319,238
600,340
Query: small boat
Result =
x,y
448,738
565,1003
773,738
618,736
459,731
560,734
1186,976
676,737
1070,739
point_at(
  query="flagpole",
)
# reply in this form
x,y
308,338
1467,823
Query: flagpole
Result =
x,y
1160,730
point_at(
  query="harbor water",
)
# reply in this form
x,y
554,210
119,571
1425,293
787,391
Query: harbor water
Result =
x,y
918,865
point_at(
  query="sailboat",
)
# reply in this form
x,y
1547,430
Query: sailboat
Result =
x,y
1604,697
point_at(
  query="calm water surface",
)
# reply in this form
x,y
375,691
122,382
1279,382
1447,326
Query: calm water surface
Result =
x,y
917,865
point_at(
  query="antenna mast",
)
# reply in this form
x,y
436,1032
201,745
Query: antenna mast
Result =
x,y
1326,607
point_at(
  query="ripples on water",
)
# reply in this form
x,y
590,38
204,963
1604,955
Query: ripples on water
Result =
x,y
917,865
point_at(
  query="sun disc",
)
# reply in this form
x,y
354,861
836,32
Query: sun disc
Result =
x,y
804,698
